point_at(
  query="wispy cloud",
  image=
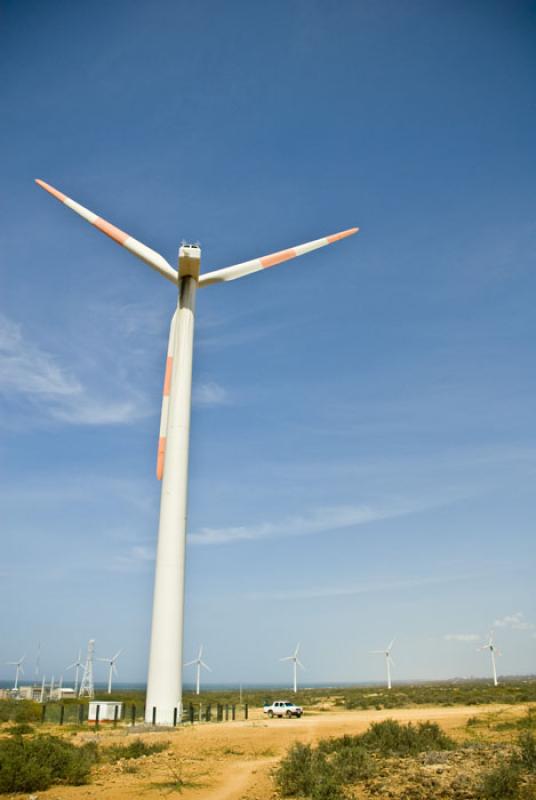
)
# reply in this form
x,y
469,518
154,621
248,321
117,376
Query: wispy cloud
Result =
x,y
461,637
210,394
26,369
515,621
30,373
368,587
134,559
314,521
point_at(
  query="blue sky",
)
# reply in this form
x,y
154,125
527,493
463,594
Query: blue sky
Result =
x,y
363,436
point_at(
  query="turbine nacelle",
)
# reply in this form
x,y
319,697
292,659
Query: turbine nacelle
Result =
x,y
189,261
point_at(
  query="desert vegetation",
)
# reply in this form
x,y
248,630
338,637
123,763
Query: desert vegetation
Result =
x,y
34,763
409,762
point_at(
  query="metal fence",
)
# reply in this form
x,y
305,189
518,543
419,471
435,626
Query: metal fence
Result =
x,y
133,714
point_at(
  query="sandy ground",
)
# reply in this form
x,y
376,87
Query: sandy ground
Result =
x,y
234,760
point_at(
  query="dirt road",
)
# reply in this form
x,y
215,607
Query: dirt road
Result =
x,y
233,761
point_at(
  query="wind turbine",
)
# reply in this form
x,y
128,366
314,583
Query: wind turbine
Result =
x,y
18,671
77,666
296,662
112,669
492,650
388,660
164,682
200,664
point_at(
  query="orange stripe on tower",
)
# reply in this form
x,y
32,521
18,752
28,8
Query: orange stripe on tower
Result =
x,y
167,377
51,190
160,457
111,231
277,258
342,235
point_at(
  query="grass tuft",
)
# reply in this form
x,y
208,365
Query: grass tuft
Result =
x,y
137,748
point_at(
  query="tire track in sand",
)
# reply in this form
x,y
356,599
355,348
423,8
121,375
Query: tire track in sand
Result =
x,y
238,778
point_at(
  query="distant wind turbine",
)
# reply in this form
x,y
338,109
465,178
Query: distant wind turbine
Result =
x,y
77,666
200,663
18,671
296,662
492,650
112,669
388,660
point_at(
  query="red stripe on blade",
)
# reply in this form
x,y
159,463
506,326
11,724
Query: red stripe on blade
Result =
x,y
160,457
277,258
167,377
110,230
51,190
342,235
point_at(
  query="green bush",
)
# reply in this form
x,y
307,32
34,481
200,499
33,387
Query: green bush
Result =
x,y
20,730
527,751
391,738
28,765
350,760
306,772
134,749
19,711
502,783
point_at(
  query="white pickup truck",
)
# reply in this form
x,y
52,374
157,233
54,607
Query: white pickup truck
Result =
x,y
282,708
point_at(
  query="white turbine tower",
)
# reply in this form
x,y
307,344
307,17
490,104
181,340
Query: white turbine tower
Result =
x,y
388,660
296,663
19,670
87,687
37,667
164,682
112,669
77,666
200,664
492,651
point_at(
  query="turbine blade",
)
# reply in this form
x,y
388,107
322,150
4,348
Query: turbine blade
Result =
x,y
189,663
117,655
206,666
298,662
287,658
151,257
256,264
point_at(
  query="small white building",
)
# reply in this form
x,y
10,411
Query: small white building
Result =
x,y
61,693
25,692
107,710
